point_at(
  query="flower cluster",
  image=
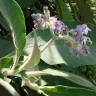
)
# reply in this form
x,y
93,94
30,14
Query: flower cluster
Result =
x,y
45,21
79,34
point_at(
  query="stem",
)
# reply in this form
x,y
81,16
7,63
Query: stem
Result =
x,y
35,73
34,86
24,64
9,88
47,44
15,60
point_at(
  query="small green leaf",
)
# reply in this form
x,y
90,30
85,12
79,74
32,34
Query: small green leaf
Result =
x,y
67,91
5,62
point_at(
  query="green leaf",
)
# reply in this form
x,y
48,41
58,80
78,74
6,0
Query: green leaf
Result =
x,y
67,91
5,50
62,11
5,62
15,20
34,57
72,77
58,81
43,36
59,53
4,23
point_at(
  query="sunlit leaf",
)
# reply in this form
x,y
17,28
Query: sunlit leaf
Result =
x,y
33,57
67,91
72,77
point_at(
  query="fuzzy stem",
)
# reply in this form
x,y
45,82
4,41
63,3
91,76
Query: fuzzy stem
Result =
x,y
47,45
9,88
34,86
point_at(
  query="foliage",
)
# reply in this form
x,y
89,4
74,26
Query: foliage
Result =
x,y
51,51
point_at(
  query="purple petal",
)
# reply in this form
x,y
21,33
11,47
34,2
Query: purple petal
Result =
x,y
85,29
77,37
78,29
34,16
53,19
40,24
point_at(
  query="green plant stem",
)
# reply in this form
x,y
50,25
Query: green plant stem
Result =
x,y
15,60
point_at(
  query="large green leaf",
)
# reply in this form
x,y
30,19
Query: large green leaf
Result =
x,y
58,81
67,91
15,20
59,53
62,11
69,76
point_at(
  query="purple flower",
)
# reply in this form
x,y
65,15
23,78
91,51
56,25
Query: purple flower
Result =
x,y
85,29
82,29
78,29
53,19
77,37
34,16
59,26
40,24
52,23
